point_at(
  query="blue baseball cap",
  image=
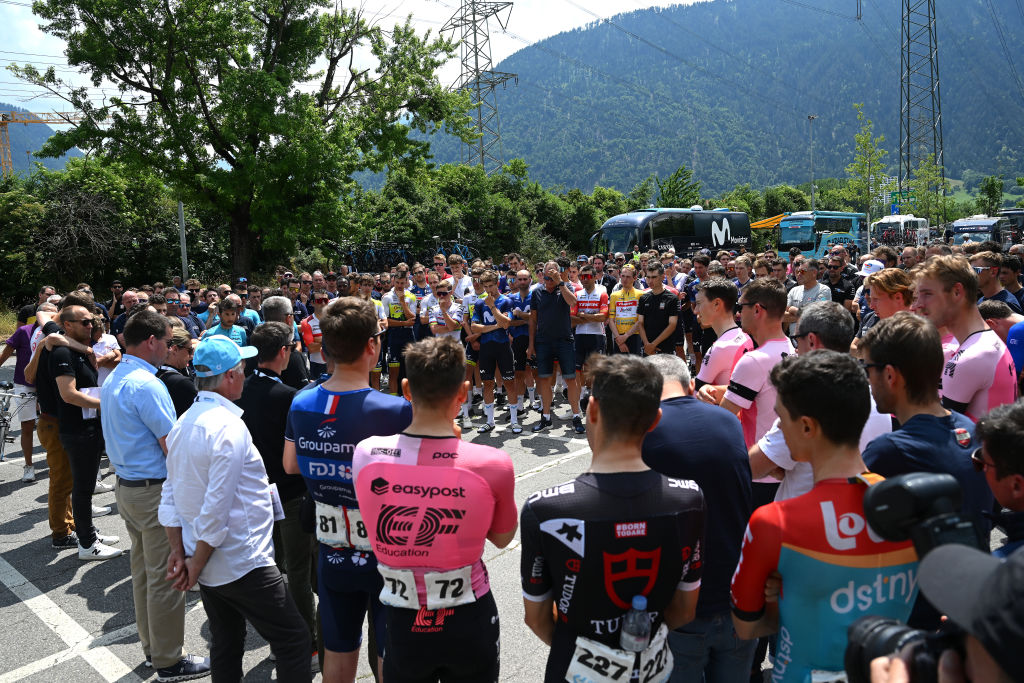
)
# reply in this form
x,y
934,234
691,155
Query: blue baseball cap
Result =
x,y
217,354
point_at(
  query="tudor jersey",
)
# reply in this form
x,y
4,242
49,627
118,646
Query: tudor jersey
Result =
x,y
593,543
718,363
751,389
325,427
834,570
429,505
979,376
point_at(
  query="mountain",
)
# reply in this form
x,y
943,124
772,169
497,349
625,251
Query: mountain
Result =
x,y
726,86
29,138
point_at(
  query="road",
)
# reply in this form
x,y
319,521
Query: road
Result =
x,y
68,620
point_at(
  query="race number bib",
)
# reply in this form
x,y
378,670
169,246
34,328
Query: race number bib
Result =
x,y
594,662
449,589
399,588
341,527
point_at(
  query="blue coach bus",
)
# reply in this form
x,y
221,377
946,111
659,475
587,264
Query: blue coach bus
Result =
x,y
816,232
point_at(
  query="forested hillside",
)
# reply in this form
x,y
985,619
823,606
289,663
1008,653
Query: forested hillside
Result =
x,y
726,86
29,138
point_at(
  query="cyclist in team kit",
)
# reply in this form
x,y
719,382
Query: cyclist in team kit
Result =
x,y
616,532
429,501
715,307
324,425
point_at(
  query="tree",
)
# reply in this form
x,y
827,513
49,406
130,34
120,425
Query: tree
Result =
x,y
260,110
931,191
867,166
783,199
990,195
679,190
1020,183
640,196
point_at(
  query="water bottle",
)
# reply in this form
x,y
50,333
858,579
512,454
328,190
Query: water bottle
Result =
x,y
635,634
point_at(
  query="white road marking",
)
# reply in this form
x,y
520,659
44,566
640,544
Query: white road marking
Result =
x,y
105,662
551,463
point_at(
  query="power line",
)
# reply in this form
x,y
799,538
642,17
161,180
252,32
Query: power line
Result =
x,y
1006,50
698,67
885,24
30,54
820,9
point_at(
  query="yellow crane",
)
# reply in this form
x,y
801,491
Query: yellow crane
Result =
x,y
9,117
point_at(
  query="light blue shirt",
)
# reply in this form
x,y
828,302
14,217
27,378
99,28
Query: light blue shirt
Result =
x,y
136,411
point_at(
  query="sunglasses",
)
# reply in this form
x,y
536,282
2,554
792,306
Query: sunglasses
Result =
x,y
321,301
978,462
741,304
86,322
981,269
305,282
184,305
795,338
586,277
867,366
834,267
170,343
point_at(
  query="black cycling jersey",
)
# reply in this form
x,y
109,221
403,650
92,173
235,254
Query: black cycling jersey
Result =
x,y
594,543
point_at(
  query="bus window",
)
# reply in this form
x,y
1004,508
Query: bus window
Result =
x,y
833,224
615,238
673,231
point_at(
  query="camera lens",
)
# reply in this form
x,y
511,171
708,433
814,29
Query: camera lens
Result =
x,y
870,637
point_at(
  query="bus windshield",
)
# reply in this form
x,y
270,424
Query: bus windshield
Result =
x,y
793,235
615,238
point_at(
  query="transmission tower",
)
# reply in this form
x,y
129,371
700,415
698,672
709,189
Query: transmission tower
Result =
x,y
469,24
920,104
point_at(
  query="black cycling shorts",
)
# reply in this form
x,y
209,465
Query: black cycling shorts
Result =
x,y
520,345
587,344
453,645
496,355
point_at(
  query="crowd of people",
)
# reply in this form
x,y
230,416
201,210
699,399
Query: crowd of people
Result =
x,y
295,454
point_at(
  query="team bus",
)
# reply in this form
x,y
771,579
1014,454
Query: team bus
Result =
x,y
684,231
1016,218
980,228
899,229
816,232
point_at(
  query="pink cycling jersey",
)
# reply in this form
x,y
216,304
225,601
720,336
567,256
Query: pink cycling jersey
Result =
x,y
751,390
429,504
949,347
718,363
980,376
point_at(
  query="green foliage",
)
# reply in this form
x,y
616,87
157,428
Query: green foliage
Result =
x,y
990,195
743,198
640,196
679,190
1020,183
785,199
868,164
931,191
252,110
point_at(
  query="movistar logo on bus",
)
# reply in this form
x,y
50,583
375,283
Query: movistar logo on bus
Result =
x,y
720,234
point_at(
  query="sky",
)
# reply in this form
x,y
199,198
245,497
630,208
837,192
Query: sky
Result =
x,y
22,41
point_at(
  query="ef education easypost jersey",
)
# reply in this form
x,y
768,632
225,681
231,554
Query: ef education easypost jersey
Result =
x,y
980,376
751,389
325,427
834,570
429,505
720,360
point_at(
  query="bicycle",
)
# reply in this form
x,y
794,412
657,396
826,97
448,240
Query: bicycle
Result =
x,y
7,395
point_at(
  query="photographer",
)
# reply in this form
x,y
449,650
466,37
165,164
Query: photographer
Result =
x,y
978,593
1000,460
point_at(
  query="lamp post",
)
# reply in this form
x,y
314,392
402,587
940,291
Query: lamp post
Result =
x,y
810,124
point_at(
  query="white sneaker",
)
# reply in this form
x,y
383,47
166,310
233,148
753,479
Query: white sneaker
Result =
x,y
102,487
98,551
99,511
108,540
29,474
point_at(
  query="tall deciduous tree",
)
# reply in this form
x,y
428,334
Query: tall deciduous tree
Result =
x,y
990,195
258,109
679,190
868,165
931,190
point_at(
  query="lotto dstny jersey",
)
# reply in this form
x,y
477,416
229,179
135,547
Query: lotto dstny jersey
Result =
x,y
483,316
325,427
429,505
751,389
980,376
834,570
594,543
718,363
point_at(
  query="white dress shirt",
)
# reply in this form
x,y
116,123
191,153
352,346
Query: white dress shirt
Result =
x,y
217,490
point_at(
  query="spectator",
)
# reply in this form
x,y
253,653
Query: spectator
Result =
x,y
23,407
218,510
1009,326
106,353
841,288
988,266
228,312
889,293
707,648
128,301
551,339
280,309
174,371
1009,277
999,458
309,329
657,314
115,306
807,292
908,258
137,413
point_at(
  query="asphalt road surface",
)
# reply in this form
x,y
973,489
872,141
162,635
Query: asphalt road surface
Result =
x,y
68,620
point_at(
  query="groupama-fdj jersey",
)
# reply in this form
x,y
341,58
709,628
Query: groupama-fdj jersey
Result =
x,y
429,504
980,376
834,570
325,427
594,543
718,363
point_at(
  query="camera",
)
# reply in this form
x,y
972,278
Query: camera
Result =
x,y
923,507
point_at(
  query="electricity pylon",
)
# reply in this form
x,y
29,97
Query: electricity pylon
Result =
x,y
920,103
480,80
